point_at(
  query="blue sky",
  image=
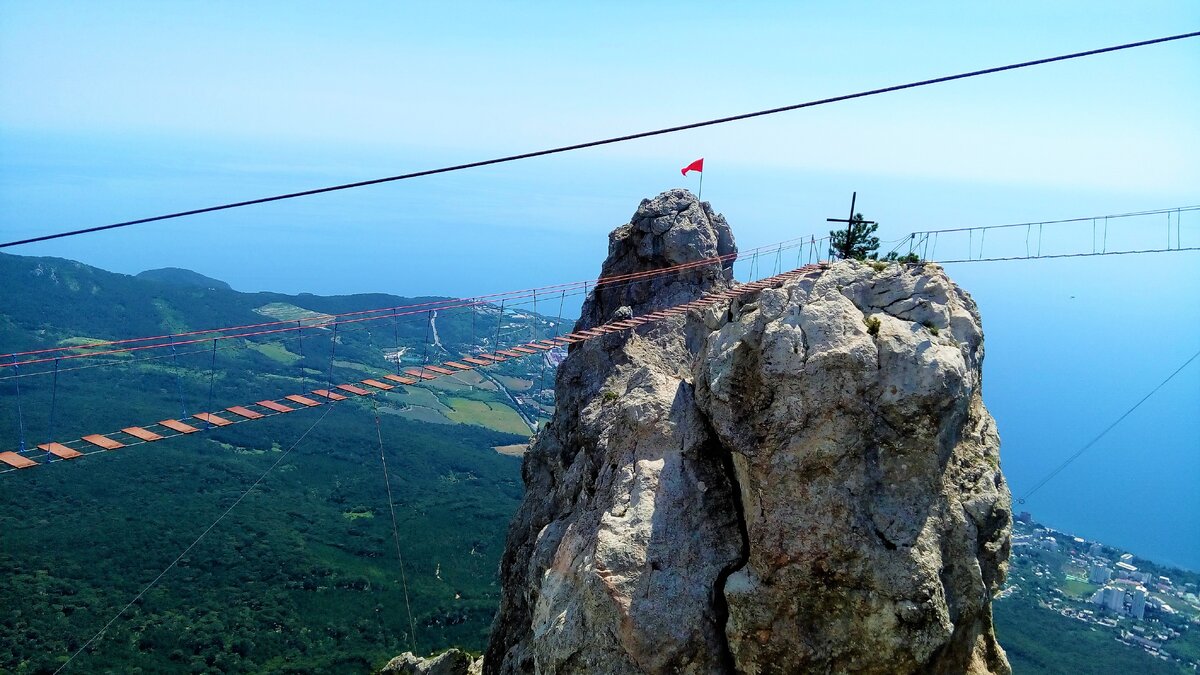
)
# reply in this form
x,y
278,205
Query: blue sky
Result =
x,y
110,111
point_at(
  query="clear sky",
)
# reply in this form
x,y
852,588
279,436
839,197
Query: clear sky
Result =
x,y
110,111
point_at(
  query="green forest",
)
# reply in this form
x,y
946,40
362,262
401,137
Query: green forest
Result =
x,y
303,575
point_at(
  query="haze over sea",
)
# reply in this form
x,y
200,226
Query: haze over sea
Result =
x,y
89,136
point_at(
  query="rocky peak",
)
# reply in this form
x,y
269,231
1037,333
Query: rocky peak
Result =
x,y
801,479
674,228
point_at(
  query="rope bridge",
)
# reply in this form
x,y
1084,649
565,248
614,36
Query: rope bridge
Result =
x,y
56,451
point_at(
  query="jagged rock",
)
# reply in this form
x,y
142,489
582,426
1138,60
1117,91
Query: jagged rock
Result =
x,y
674,228
449,662
804,480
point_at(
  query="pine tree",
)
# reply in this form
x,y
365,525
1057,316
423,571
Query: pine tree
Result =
x,y
855,242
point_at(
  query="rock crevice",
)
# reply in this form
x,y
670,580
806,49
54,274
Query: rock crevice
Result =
x,y
802,480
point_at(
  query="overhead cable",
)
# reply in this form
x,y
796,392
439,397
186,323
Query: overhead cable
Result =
x,y
1046,479
606,141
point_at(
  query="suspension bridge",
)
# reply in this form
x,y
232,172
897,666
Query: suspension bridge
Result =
x,y
1086,236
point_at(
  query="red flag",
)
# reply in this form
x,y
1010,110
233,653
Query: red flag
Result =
x,y
697,165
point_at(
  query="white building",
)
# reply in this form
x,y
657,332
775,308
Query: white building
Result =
x,y
1111,598
1137,609
1099,574
1125,570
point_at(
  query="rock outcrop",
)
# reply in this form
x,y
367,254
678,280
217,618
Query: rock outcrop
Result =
x,y
802,480
449,662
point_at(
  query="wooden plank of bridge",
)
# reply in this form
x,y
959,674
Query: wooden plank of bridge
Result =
x,y
16,461
211,419
143,434
294,398
509,353
439,370
478,362
357,391
277,407
244,412
460,366
379,385
421,374
176,425
60,450
399,378
103,441
331,395
536,345
523,350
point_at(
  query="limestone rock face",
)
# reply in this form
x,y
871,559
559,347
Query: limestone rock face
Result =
x,y
672,229
449,662
803,480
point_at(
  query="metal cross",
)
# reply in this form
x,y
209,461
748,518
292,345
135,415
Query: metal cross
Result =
x,y
850,221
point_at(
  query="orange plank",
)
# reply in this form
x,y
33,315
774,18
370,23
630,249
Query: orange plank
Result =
x,y
14,460
538,346
144,434
420,374
478,362
302,400
460,366
359,391
549,342
60,450
379,385
277,407
508,352
244,412
494,357
212,419
439,370
103,441
400,379
176,425
331,395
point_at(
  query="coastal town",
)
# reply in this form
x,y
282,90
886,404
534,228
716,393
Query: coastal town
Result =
x,y
1138,603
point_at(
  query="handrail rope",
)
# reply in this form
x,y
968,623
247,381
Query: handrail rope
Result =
x,y
1131,214
123,362
1049,256
711,296
481,300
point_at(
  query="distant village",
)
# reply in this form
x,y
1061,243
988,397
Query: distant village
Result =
x,y
1108,588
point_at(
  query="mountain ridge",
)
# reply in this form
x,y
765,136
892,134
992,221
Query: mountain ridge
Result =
x,y
182,277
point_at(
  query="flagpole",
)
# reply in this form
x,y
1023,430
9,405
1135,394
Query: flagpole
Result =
x,y
700,193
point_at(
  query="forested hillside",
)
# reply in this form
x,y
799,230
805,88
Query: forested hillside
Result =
x,y
303,574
